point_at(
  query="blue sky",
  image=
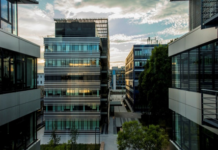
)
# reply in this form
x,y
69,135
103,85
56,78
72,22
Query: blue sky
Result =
x,y
130,21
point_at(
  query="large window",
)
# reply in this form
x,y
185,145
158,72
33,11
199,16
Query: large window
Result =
x,y
8,18
196,69
62,47
89,62
18,134
190,136
88,78
17,71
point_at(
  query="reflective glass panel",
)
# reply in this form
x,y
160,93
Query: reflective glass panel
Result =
x,y
4,9
5,26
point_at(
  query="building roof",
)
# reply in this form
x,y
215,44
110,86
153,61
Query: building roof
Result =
x,y
101,24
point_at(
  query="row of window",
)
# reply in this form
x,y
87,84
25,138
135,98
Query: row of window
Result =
x,y
71,62
72,77
62,47
17,71
71,92
196,69
62,108
71,124
143,52
140,63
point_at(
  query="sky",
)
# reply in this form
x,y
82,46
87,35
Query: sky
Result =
x,y
130,22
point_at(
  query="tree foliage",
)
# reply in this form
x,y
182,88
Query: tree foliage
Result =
x,y
155,80
73,137
54,140
137,137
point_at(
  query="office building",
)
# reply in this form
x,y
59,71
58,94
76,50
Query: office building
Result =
x,y
19,96
134,65
193,94
117,78
76,75
40,79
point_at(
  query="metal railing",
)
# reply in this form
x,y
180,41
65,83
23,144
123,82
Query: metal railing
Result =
x,y
209,107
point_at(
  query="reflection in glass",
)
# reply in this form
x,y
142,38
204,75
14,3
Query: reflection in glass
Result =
x,y
6,26
4,9
176,71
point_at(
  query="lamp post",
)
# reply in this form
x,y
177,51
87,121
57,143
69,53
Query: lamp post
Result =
x,y
97,128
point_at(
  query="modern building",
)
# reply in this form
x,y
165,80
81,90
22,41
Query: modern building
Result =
x,y
134,65
117,81
76,75
40,79
19,96
193,94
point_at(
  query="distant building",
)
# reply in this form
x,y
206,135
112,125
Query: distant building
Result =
x,y
134,65
19,96
117,81
40,79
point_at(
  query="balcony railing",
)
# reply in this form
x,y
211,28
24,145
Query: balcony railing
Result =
x,y
209,108
209,13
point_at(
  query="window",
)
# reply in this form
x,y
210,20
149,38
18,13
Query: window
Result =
x,y
18,71
41,82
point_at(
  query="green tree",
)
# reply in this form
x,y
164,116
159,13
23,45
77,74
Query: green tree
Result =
x,y
154,82
73,138
137,137
54,140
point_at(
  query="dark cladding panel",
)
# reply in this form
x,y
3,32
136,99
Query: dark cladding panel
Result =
x,y
75,29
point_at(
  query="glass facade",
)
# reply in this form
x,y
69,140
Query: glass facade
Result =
x,y
87,78
85,124
71,107
87,62
63,47
196,69
18,134
190,136
8,16
71,92
17,71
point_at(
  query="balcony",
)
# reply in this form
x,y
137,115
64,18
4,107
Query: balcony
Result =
x,y
209,108
209,13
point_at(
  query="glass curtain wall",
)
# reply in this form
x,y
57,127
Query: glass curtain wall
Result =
x,y
62,47
85,124
17,71
190,136
196,69
18,134
8,17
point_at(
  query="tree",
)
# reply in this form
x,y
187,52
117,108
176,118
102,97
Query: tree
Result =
x,y
73,137
55,139
154,82
137,137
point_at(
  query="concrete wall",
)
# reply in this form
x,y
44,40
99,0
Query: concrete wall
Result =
x,y
18,104
187,104
18,44
192,39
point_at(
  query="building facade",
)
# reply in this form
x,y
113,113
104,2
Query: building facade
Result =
x,y
117,78
134,65
40,79
76,75
19,96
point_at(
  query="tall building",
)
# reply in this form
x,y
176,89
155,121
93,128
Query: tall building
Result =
x,y
193,93
76,75
134,65
19,96
117,81
40,79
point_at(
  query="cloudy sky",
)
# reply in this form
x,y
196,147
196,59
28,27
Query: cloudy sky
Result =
x,y
130,21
